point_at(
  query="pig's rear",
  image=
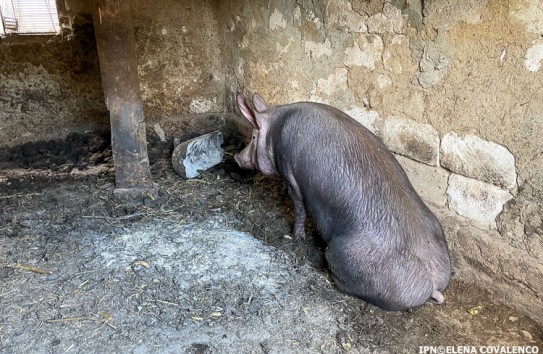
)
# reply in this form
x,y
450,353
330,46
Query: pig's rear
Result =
x,y
384,244
392,280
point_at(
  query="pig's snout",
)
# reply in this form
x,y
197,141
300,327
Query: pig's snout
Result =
x,y
237,159
244,161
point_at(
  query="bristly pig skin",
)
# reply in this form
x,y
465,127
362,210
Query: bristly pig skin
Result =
x,y
384,245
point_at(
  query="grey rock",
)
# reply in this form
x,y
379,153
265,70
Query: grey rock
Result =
x,y
198,154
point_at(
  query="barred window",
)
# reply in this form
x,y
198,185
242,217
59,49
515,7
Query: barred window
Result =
x,y
28,17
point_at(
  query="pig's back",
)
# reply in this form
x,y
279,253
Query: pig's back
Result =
x,y
344,171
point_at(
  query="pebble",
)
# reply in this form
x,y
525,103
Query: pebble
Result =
x,y
201,153
527,335
344,341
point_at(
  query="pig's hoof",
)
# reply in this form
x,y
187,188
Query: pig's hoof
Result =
x,y
299,235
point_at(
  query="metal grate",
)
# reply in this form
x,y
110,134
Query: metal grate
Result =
x,y
28,17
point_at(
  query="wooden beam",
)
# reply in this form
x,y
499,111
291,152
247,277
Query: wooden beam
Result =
x,y
117,54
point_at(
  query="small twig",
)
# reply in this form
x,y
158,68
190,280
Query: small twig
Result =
x,y
113,221
107,218
71,319
167,302
110,325
29,268
199,181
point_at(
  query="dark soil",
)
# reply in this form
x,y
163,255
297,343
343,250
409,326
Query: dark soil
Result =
x,y
59,217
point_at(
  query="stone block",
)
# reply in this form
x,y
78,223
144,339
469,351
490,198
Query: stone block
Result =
x,y
477,158
409,138
315,50
429,182
277,20
369,119
341,14
391,20
367,50
198,154
534,57
476,200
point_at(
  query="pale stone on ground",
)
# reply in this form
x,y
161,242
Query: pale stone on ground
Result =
x,y
198,154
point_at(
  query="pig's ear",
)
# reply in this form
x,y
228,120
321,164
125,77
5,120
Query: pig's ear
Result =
x,y
259,103
246,110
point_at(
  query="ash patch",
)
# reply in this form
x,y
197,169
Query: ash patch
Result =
x,y
207,253
156,286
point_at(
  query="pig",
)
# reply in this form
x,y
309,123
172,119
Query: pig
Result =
x,y
383,244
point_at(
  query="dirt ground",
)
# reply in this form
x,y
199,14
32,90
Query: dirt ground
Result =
x,y
204,266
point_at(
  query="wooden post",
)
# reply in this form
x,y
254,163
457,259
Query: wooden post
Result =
x,y
117,54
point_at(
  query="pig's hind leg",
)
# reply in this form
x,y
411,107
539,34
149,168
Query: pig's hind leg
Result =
x,y
300,213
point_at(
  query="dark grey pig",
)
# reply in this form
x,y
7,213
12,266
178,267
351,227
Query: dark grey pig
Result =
x,y
383,243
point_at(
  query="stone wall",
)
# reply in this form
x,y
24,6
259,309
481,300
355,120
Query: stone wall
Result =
x,y
455,89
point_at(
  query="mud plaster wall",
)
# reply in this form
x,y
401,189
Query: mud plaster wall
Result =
x,y
454,88
179,57
51,88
